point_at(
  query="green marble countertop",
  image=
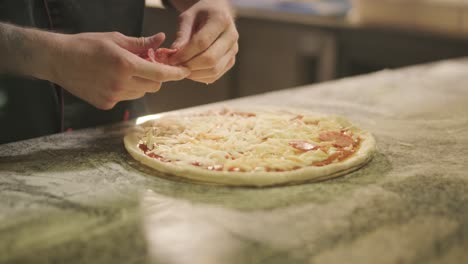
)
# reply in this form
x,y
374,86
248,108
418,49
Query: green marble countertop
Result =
x,y
79,198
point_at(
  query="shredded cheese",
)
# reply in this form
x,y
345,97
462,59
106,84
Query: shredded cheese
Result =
x,y
238,141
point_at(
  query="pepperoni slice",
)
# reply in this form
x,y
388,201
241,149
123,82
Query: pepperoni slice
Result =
x,y
303,145
160,55
329,160
145,150
243,114
340,139
298,117
311,122
338,156
345,154
143,147
268,169
234,169
196,163
149,56
215,167
156,156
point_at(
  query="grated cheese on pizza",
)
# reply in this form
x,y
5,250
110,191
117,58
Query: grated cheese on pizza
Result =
x,y
236,141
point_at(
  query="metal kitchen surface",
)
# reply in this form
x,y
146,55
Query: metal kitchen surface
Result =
x,y
80,198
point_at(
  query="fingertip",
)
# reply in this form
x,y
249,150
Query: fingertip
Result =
x,y
176,45
157,88
162,34
158,38
176,58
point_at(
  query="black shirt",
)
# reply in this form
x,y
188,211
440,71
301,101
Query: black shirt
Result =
x,y
30,107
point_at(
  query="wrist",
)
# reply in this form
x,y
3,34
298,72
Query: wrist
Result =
x,y
46,49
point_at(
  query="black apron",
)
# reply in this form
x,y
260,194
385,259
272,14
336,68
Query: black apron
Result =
x,y
30,107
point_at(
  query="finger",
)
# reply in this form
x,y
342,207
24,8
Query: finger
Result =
x,y
208,80
211,57
199,42
142,44
219,68
158,72
144,85
136,87
185,30
133,96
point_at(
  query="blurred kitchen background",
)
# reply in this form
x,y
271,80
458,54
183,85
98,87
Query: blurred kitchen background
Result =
x,y
287,43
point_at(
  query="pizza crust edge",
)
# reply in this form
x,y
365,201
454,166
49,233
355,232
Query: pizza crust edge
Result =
x,y
362,156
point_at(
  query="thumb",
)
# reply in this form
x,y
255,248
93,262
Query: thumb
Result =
x,y
142,44
184,31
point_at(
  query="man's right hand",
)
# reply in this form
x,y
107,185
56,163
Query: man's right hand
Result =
x,y
104,68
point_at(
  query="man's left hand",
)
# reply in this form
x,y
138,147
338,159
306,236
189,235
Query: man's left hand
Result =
x,y
207,39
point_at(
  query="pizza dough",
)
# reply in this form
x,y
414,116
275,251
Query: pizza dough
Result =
x,y
251,148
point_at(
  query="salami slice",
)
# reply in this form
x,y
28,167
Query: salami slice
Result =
x,y
160,55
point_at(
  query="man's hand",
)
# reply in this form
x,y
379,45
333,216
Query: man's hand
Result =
x,y
100,68
104,68
207,38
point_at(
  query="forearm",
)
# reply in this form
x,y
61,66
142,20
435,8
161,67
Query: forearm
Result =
x,y
27,52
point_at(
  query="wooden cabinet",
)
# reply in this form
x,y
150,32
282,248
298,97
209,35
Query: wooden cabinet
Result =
x,y
275,56
363,50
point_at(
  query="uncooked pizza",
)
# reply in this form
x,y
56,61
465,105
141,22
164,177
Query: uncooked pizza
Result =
x,y
251,148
